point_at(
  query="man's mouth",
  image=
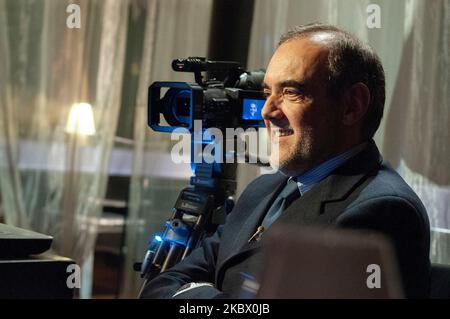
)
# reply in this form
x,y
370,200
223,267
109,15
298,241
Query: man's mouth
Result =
x,y
282,132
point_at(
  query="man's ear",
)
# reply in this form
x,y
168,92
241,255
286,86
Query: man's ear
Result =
x,y
356,103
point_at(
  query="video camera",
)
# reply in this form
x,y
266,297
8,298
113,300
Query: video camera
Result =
x,y
230,98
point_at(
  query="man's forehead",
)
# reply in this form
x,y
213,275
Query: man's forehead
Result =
x,y
297,59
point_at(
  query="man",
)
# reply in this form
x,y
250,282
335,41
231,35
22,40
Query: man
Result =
x,y
253,109
325,97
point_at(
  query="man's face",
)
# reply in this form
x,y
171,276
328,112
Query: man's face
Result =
x,y
253,109
300,116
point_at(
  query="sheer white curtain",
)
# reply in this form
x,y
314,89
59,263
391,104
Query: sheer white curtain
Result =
x,y
174,29
414,44
52,179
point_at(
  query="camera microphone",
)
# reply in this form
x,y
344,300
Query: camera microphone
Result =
x,y
200,64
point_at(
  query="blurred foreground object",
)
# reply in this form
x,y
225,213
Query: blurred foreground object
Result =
x,y
312,262
26,271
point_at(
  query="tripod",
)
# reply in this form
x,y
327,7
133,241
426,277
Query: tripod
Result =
x,y
197,212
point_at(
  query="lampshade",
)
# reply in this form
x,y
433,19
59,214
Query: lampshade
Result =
x,y
81,119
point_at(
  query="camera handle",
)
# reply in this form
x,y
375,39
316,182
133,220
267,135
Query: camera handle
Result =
x,y
199,209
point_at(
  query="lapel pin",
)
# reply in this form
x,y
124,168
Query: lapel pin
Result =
x,y
257,235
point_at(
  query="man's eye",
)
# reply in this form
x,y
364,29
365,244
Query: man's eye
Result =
x,y
266,94
293,94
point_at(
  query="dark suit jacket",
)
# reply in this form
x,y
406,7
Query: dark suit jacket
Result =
x,y
364,193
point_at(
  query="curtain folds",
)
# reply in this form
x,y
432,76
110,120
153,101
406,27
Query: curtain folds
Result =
x,y
52,180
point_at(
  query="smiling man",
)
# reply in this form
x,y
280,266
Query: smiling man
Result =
x,y
316,105
325,95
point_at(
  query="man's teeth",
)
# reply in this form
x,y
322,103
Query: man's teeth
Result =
x,y
283,132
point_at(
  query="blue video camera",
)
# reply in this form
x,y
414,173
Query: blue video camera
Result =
x,y
230,98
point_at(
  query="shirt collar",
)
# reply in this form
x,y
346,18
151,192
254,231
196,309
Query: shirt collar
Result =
x,y
311,177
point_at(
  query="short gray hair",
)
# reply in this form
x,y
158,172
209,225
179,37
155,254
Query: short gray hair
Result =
x,y
350,61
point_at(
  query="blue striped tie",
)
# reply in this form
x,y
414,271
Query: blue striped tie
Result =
x,y
289,193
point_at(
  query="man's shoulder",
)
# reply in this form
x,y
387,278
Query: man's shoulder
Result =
x,y
388,185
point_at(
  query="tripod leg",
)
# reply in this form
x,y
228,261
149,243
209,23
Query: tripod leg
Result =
x,y
172,256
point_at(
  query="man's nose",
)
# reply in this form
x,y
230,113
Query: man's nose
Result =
x,y
271,109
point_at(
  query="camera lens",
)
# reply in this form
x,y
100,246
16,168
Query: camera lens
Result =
x,y
182,105
177,104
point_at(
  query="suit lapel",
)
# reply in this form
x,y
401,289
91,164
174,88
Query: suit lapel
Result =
x,y
252,222
317,205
